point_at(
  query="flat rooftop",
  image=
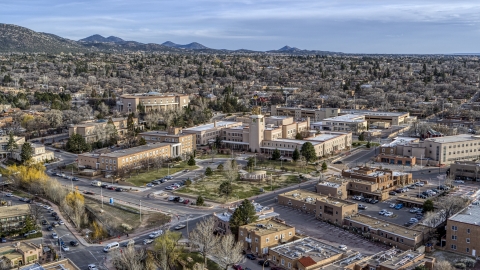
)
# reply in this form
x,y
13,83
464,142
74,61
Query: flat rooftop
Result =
x,y
454,138
347,118
264,227
212,126
400,141
163,133
326,136
373,113
308,247
378,224
294,141
14,211
312,198
128,151
394,258
470,215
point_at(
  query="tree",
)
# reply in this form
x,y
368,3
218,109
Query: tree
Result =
x,y
296,154
368,145
26,152
203,238
276,154
250,162
133,259
443,265
76,144
225,188
191,161
230,170
11,144
298,136
244,214
167,249
361,137
54,118
324,166
428,206
220,167
448,206
200,201
142,141
29,224
218,142
208,171
228,252
308,151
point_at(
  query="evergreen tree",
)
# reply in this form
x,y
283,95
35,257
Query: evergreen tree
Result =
x,y
361,137
308,151
368,145
191,161
208,171
142,141
276,154
324,166
298,136
225,188
244,214
11,144
77,144
26,152
296,154
200,200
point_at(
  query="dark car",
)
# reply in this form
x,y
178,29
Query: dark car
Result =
x,y
264,263
3,240
74,243
104,186
237,267
57,218
251,256
276,268
44,222
393,193
338,162
54,214
186,201
119,189
89,193
176,199
111,187
75,179
50,228
368,200
57,150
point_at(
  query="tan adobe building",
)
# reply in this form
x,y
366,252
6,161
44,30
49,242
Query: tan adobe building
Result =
x,y
385,232
129,103
206,134
336,188
465,170
322,206
302,113
4,141
40,154
21,253
345,123
131,157
463,231
306,253
260,236
13,217
90,129
393,118
175,137
222,220
384,178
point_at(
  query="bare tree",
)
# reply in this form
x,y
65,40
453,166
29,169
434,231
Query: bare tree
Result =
x,y
35,212
167,249
230,170
448,206
131,259
228,251
203,238
443,265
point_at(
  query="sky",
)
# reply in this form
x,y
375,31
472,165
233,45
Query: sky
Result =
x,y
349,26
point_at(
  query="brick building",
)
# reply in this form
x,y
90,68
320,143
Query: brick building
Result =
x,y
463,231
260,236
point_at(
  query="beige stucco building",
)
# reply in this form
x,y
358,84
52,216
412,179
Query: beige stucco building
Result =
x,y
21,253
92,131
129,103
463,232
40,154
258,237
302,113
184,144
13,217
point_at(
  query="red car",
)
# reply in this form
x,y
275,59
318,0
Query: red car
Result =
x,y
186,201
111,187
237,267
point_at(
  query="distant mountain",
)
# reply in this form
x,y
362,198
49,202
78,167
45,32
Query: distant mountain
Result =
x,y
190,46
99,38
15,38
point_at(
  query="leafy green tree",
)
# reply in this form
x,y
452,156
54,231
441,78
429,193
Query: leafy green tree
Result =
x,y
276,154
26,152
168,249
368,145
244,214
208,171
130,124
220,167
428,206
225,188
29,224
298,136
142,141
11,144
308,151
324,166
361,137
250,162
77,144
296,154
200,200
191,161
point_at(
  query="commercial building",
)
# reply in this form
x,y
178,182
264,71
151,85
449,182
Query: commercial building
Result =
x,y
260,236
39,153
345,123
372,117
131,103
306,253
174,136
4,141
385,232
463,231
13,217
206,134
21,253
302,113
322,206
222,220
392,259
93,131
127,158
465,170
438,151
393,153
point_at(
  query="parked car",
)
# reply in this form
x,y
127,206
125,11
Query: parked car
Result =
x,y
147,241
237,267
74,243
104,186
54,236
374,201
187,201
155,182
180,226
171,198
388,214
338,162
9,195
419,184
264,263
3,240
399,206
89,193
413,220
382,212
111,187
75,179
392,205
342,247
155,234
92,267
393,193
459,181
362,207
49,228
251,256
61,222
119,189
421,196
169,188
181,200
413,210
368,200
150,185
65,248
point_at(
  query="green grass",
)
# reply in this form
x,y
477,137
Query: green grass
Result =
x,y
145,177
208,187
21,194
287,166
207,156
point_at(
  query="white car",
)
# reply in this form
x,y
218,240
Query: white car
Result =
x,y
54,236
155,234
65,248
179,227
413,220
169,188
171,198
61,222
388,214
342,247
92,267
419,184
382,212
147,241
414,210
392,205
9,195
150,185
459,181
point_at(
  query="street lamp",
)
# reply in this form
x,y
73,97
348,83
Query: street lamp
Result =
x,y
60,245
263,265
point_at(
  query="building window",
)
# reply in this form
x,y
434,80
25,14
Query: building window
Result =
x,y
468,230
289,265
290,234
274,258
276,237
256,240
267,239
468,250
468,240
454,247
454,228
454,237
282,262
241,233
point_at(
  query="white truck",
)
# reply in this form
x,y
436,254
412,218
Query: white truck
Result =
x,y
96,183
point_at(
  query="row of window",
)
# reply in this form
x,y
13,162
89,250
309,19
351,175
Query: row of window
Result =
x,y
454,247
455,228
463,145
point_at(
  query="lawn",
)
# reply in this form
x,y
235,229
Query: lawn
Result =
x,y
287,166
208,187
145,177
